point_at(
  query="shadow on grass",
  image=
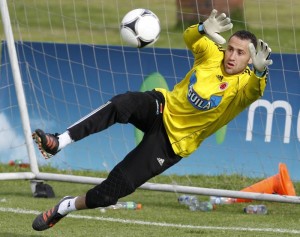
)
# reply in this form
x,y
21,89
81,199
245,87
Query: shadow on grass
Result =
x,y
10,234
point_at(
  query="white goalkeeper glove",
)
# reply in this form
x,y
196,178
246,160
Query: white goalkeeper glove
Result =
x,y
260,57
215,25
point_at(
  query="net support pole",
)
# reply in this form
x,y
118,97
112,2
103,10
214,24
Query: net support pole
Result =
x,y
177,188
18,85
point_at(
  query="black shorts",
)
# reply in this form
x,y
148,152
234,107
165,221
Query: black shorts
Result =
x,y
154,154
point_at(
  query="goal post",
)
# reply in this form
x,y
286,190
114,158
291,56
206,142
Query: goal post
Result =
x,y
19,91
67,79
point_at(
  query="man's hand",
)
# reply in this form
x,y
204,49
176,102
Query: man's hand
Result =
x,y
215,25
260,56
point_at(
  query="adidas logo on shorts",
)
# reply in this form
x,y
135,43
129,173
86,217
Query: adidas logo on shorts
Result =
x,y
160,161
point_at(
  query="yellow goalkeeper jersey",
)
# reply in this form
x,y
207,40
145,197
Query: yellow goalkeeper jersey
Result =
x,y
207,98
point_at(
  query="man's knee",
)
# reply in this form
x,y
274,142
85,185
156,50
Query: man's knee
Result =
x,y
95,198
110,190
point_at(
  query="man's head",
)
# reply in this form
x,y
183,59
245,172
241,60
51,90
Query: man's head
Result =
x,y
237,55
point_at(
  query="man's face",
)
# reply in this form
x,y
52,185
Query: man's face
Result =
x,y
237,56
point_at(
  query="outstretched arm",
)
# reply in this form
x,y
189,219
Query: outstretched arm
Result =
x,y
201,39
260,60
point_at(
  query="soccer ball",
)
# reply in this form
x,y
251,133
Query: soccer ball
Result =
x,y
140,28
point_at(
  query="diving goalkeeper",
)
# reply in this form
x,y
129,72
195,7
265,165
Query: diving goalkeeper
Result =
x,y
219,86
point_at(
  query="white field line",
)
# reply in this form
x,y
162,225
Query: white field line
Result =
x,y
160,224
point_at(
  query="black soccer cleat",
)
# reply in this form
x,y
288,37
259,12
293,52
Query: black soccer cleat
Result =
x,y
47,143
48,218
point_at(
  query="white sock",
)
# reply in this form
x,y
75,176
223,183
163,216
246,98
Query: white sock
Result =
x,y
67,206
64,140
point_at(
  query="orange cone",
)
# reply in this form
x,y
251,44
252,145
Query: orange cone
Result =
x,y
278,184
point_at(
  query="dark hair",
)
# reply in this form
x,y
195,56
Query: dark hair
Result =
x,y
246,35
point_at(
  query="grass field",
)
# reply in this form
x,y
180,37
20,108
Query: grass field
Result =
x,y
161,215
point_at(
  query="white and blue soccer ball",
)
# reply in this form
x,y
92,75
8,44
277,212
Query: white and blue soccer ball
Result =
x,y
140,28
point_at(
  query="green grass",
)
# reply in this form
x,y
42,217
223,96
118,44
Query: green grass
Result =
x,y
158,207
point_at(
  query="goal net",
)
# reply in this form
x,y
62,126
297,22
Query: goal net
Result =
x,y
72,60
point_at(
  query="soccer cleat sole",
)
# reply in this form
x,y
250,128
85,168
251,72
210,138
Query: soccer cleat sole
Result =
x,y
38,141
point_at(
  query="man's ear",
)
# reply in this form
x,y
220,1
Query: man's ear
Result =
x,y
250,61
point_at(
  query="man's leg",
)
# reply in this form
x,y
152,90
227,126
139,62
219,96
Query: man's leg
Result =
x,y
151,157
138,108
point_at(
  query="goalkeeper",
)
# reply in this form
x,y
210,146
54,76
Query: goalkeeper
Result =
x,y
219,86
